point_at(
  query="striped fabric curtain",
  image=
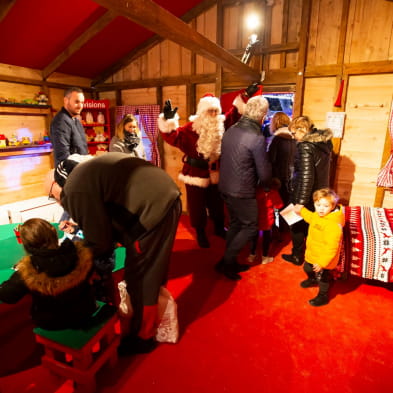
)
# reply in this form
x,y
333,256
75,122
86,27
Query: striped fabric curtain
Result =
x,y
385,176
148,115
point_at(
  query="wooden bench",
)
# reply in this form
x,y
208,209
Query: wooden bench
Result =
x,y
78,354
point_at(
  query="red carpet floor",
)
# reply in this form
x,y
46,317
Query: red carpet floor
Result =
x,y
258,335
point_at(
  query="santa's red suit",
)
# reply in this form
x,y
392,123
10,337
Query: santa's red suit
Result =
x,y
200,141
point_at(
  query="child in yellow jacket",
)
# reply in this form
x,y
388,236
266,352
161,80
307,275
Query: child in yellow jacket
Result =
x,y
323,242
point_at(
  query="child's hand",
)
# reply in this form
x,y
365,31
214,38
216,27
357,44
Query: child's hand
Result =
x,y
297,208
316,268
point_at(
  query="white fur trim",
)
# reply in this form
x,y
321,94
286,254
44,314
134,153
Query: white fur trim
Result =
x,y
239,104
206,103
202,182
192,118
167,125
214,177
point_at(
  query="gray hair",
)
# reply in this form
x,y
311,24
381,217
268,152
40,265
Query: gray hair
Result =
x,y
256,108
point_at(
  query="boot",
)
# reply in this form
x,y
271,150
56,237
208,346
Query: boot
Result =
x,y
293,259
310,282
202,240
322,298
228,271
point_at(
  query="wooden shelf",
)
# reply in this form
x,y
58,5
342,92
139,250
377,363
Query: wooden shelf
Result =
x,y
90,125
25,150
24,109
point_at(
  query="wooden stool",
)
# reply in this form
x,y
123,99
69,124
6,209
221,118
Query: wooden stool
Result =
x,y
69,353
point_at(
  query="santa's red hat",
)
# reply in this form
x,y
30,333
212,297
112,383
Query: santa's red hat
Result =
x,y
208,101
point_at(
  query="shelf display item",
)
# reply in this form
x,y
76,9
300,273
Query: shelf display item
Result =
x,y
98,133
89,118
100,118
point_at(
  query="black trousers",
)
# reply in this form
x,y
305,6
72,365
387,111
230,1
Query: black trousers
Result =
x,y
202,202
298,234
146,267
243,225
323,277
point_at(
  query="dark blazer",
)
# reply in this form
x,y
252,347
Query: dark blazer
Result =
x,y
67,136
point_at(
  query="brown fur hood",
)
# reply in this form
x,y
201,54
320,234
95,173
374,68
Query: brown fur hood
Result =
x,y
318,136
52,285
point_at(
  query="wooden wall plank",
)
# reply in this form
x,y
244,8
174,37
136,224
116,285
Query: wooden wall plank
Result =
x,y
370,31
367,109
139,96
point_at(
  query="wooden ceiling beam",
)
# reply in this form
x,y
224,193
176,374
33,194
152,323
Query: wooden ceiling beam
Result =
x,y
148,44
155,18
5,7
95,28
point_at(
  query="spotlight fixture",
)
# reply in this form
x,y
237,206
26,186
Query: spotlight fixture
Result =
x,y
249,51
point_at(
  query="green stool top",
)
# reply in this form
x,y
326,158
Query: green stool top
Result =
x,y
77,338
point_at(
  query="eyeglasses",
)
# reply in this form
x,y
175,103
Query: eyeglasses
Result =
x,y
51,197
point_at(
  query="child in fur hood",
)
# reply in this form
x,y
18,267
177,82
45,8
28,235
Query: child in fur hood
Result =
x,y
57,277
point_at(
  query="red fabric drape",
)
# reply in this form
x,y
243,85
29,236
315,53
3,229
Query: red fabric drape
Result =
x,y
148,115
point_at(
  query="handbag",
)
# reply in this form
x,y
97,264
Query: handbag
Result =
x,y
168,327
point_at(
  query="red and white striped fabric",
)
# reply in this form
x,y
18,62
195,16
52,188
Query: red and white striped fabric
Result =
x,y
385,176
368,242
148,115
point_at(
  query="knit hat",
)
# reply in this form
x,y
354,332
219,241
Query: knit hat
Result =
x,y
208,101
64,168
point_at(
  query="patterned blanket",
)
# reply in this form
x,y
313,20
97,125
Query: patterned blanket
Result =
x,y
368,243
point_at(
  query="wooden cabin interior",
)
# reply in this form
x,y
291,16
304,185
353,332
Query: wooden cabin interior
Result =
x,y
333,56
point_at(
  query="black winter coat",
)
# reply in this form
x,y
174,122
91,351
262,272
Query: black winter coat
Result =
x,y
59,283
312,165
282,150
244,160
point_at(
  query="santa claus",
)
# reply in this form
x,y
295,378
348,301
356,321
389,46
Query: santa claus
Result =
x,y
200,141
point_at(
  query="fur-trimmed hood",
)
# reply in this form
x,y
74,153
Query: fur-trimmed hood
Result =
x,y
64,269
316,136
283,132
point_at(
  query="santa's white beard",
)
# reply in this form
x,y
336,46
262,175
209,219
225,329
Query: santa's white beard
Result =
x,y
210,130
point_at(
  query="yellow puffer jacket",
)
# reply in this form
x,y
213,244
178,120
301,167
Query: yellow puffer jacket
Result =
x,y
324,237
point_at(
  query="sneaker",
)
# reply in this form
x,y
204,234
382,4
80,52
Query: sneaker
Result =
x,y
293,259
266,260
320,300
310,282
251,258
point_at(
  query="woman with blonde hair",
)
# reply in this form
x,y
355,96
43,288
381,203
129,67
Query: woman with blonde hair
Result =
x,y
128,138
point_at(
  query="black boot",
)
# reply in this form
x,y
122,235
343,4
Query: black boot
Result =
x,y
322,297
293,259
228,271
202,240
310,282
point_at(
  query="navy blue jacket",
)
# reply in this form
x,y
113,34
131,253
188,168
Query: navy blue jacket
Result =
x,y
67,136
244,161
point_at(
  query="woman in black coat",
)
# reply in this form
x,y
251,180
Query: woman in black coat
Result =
x,y
311,172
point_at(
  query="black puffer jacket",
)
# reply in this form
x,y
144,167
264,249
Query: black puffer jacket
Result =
x,y
312,165
58,281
